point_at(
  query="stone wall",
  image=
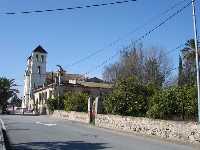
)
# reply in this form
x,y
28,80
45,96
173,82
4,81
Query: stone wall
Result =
x,y
172,130
71,115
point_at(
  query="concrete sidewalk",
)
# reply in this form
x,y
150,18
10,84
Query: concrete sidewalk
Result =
x,y
2,141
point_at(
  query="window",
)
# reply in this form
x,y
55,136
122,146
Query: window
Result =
x,y
39,70
37,58
42,58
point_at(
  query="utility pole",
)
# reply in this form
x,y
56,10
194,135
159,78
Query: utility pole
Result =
x,y
58,88
60,71
197,56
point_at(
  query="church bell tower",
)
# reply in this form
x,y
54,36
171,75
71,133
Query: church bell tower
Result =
x,y
35,75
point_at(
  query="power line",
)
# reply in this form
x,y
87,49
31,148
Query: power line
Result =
x,y
172,69
175,49
163,13
69,8
131,32
118,52
162,23
102,64
146,34
113,56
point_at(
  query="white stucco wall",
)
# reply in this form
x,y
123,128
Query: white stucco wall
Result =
x,y
33,78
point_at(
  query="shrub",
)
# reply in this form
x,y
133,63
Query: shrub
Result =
x,y
55,104
128,98
76,102
188,104
52,104
174,103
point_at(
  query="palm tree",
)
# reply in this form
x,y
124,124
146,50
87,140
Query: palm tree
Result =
x,y
189,54
7,90
189,50
15,101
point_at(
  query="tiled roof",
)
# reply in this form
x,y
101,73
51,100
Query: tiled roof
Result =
x,y
96,85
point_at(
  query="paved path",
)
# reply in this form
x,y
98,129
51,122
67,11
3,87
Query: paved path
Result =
x,y
45,133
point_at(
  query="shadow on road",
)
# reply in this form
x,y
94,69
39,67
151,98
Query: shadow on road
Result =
x,y
70,145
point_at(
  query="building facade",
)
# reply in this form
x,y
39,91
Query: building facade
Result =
x,y
41,95
40,85
35,75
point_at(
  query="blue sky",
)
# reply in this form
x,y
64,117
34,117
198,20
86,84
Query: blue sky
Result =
x,y
71,35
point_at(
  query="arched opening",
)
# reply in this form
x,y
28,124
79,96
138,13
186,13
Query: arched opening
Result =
x,y
39,70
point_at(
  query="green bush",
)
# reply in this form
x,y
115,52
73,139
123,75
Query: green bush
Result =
x,y
52,104
174,103
187,98
55,104
128,98
76,102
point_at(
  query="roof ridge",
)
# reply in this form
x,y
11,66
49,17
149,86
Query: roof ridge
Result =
x,y
40,49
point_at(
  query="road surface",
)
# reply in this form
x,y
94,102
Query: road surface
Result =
x,y
46,133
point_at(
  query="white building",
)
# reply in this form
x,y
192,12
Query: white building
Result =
x,y
35,75
40,85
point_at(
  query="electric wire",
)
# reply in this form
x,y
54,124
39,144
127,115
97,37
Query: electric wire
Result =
x,y
68,8
129,33
144,36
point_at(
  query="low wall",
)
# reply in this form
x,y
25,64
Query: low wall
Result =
x,y
172,130
71,115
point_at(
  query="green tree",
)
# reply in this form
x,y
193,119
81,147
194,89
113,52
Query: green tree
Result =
x,y
174,103
55,104
187,102
76,101
188,53
7,90
189,50
128,98
15,101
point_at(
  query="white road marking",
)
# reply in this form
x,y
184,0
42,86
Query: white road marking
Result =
x,y
46,124
3,125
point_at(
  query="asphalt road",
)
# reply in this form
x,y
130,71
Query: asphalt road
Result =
x,y
45,133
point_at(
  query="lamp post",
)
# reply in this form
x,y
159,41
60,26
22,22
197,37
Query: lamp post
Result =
x,y
196,50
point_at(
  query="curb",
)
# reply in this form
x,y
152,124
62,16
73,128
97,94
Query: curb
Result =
x,y
2,137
